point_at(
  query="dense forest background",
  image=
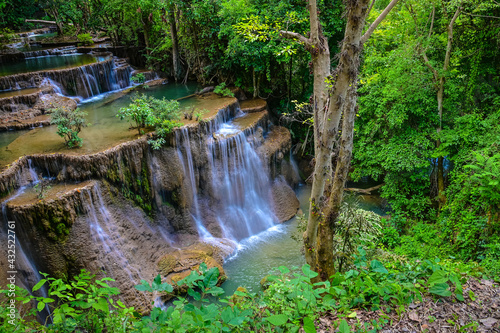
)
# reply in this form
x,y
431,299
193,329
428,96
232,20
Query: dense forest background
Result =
x,y
428,125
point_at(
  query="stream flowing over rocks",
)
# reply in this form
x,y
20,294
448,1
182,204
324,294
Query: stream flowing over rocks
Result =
x,y
131,212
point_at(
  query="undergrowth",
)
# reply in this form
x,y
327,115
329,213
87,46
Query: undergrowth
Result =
x,y
291,300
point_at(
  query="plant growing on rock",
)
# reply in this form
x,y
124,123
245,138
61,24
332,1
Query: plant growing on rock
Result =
x,y
221,89
69,124
42,187
139,112
147,111
6,37
139,78
199,113
85,39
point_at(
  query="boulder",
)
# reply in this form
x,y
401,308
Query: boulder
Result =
x,y
285,202
178,264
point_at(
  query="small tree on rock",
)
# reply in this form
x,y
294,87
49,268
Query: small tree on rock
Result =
x,y
69,124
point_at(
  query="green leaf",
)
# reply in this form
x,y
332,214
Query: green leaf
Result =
x,y
39,284
377,266
438,276
102,305
211,277
40,306
277,320
309,325
144,286
306,269
344,327
441,289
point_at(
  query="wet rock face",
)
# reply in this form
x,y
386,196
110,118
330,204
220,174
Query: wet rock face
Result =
x,y
93,227
179,264
141,201
27,111
285,202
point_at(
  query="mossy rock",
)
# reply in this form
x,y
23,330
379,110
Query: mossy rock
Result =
x,y
179,264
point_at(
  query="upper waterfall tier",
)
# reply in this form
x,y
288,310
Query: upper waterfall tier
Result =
x,y
46,63
84,81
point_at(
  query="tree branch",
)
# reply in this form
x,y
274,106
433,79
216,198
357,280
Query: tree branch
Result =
x,y
379,19
450,38
486,16
432,21
428,64
296,36
370,9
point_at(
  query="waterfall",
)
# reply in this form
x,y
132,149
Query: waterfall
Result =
x,y
240,182
106,237
25,269
84,81
182,139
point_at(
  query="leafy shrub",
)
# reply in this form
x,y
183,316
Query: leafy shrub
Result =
x,y
221,89
139,78
147,111
291,301
355,227
6,37
85,39
69,124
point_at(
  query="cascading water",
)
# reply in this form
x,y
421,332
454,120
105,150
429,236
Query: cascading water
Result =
x,y
83,81
182,136
239,181
106,237
24,265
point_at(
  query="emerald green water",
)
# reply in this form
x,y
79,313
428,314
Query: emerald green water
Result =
x,y
260,254
47,63
106,129
276,247
12,93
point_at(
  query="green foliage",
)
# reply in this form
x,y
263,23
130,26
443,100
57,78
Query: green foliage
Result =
x,y
6,36
42,187
14,12
486,177
222,90
85,39
84,303
291,302
149,112
69,124
355,227
139,78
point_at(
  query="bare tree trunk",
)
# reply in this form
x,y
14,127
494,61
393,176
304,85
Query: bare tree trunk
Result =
x,y
328,111
175,45
440,80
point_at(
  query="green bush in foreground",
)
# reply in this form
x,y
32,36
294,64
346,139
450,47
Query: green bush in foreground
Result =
x,y
290,302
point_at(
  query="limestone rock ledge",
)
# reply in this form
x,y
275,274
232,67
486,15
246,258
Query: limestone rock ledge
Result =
x,y
178,264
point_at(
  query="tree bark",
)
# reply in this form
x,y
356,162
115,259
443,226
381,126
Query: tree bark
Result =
x,y
176,59
328,111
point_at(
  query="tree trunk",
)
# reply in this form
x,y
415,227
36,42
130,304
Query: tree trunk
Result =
x,y
328,111
175,45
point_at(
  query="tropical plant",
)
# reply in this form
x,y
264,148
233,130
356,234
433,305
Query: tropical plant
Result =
x,y
85,39
222,90
139,78
147,111
69,124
